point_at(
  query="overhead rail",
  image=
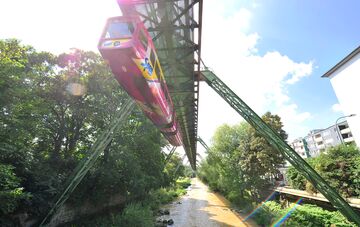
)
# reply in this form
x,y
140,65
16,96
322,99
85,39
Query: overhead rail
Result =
x,y
278,143
94,153
175,27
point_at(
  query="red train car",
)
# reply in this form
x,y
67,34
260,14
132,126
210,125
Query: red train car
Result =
x,y
128,48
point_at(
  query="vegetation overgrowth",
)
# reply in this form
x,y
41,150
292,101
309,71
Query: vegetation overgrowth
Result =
x,y
139,213
303,215
241,164
52,109
339,166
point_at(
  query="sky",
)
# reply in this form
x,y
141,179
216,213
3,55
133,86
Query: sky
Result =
x,y
271,53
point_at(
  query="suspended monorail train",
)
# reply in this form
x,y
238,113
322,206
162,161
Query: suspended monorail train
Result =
x,y
128,48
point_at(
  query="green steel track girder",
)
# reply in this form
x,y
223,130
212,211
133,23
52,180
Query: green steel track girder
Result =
x,y
203,143
275,140
172,151
95,151
173,24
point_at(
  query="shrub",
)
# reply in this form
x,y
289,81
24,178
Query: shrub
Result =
x,y
10,191
183,182
310,188
135,215
296,180
339,166
304,215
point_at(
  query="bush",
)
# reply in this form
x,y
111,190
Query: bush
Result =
x,y
10,192
310,188
161,196
183,182
304,215
135,215
339,166
295,178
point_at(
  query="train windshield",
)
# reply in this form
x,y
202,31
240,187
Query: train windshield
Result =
x,y
118,29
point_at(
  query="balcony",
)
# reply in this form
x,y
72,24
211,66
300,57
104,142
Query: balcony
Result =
x,y
345,131
329,141
318,139
349,139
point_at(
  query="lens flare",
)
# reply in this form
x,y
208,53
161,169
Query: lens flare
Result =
x,y
254,211
76,89
287,215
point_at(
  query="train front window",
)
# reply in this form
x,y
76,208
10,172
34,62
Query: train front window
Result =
x,y
118,29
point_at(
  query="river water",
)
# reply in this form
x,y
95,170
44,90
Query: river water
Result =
x,y
201,207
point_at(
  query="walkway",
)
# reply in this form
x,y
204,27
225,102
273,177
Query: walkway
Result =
x,y
354,202
201,207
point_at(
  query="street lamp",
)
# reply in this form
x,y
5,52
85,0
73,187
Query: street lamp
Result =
x,y
337,127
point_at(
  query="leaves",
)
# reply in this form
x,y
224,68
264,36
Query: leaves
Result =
x,y
339,166
241,162
52,108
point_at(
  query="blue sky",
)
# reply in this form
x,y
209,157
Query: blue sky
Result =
x,y
271,53
304,38
322,31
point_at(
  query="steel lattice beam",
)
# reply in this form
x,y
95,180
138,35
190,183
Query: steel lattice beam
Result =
x,y
275,140
95,151
172,24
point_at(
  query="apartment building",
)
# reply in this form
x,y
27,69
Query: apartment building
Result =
x,y
319,140
299,145
345,80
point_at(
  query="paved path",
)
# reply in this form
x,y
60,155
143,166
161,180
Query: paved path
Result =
x,y
354,202
201,207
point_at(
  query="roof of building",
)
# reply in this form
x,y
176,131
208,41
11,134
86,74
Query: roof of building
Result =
x,y
342,62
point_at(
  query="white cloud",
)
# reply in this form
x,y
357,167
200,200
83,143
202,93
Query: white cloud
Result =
x,y
227,47
260,80
336,108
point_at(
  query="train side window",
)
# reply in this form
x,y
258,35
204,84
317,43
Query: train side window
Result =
x,y
162,84
118,29
152,58
143,39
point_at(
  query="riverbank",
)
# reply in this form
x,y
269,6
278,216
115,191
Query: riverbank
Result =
x,y
202,207
139,213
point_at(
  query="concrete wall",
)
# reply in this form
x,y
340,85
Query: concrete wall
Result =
x,y
346,84
67,213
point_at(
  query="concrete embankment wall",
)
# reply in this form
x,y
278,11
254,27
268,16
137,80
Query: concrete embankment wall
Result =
x,y
68,214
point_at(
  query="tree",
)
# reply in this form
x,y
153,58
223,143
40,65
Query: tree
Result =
x,y
241,162
10,191
52,109
339,166
260,161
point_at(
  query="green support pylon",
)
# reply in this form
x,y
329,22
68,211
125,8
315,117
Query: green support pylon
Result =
x,y
275,140
95,151
168,157
203,143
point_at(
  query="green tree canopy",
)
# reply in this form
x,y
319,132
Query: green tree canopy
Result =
x,y
240,162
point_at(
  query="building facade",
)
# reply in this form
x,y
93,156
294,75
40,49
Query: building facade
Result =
x,y
319,140
299,145
345,80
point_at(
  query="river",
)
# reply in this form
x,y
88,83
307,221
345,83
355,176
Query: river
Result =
x,y
201,207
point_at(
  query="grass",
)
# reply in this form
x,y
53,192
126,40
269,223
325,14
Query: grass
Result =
x,y
304,215
163,196
141,213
